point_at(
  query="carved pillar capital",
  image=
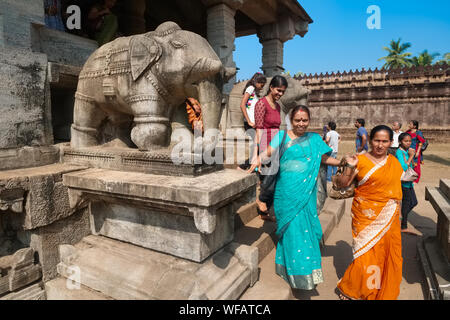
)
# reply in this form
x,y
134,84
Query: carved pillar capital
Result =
x,y
284,29
272,37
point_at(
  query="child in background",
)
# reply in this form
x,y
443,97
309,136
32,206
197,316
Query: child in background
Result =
x,y
195,119
248,102
405,155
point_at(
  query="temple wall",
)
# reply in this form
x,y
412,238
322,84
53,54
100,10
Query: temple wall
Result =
x,y
381,97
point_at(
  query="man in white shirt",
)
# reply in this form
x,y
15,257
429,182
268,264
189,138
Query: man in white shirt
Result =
x,y
396,128
332,138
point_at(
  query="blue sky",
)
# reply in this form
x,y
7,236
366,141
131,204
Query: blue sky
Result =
x,y
339,38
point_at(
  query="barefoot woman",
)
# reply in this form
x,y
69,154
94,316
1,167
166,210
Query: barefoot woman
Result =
x,y
376,270
298,258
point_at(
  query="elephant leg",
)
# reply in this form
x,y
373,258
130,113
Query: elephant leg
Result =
x,y
151,129
122,124
87,119
182,132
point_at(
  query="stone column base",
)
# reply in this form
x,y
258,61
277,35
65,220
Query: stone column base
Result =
x,y
123,271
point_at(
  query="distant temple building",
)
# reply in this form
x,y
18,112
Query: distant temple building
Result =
x,y
382,96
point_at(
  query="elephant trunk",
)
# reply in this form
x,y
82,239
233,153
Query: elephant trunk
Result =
x,y
210,97
205,68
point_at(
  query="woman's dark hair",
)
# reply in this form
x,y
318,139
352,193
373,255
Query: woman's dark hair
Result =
x,y
298,108
403,136
361,121
332,125
257,78
415,124
277,82
382,127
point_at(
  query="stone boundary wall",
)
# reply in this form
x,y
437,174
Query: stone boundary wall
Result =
x,y
381,97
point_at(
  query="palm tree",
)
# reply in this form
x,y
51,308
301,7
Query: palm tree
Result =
x,y
445,59
397,56
424,59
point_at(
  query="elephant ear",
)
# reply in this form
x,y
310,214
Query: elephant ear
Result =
x,y
144,52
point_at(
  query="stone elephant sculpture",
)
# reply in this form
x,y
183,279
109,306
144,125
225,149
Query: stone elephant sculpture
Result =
x,y
131,88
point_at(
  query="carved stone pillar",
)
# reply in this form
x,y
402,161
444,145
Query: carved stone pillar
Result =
x,y
272,57
221,32
133,17
272,37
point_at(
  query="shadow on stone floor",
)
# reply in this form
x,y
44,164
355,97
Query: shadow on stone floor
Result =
x,y
437,159
342,256
425,225
411,270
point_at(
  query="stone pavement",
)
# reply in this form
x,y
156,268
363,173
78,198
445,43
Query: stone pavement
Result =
x,y
337,252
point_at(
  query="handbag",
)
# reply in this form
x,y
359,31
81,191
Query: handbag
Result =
x,y
409,175
424,146
341,193
270,180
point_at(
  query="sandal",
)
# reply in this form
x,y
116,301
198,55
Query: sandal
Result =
x,y
342,296
264,215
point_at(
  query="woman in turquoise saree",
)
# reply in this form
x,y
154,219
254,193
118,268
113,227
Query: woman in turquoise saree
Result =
x,y
298,259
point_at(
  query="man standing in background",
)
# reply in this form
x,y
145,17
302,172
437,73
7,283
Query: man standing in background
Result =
x,y
361,136
332,138
396,128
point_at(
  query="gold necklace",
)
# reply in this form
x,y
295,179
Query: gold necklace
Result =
x,y
372,158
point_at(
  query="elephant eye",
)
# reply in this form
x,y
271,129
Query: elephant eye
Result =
x,y
177,44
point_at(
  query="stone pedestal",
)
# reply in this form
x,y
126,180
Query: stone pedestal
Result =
x,y
188,217
35,212
133,160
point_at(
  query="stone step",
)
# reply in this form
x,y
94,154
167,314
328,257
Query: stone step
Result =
x,y
261,234
444,186
244,215
59,289
270,286
436,268
258,233
124,271
32,292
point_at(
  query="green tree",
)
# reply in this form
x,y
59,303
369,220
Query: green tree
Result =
x,y
424,59
445,59
397,56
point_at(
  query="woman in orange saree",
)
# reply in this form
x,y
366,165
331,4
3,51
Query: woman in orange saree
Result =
x,y
376,270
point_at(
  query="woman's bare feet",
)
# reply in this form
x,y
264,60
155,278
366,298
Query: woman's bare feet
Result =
x,y
410,231
261,205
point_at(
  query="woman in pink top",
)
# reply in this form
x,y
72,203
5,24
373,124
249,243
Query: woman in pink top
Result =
x,y
267,125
